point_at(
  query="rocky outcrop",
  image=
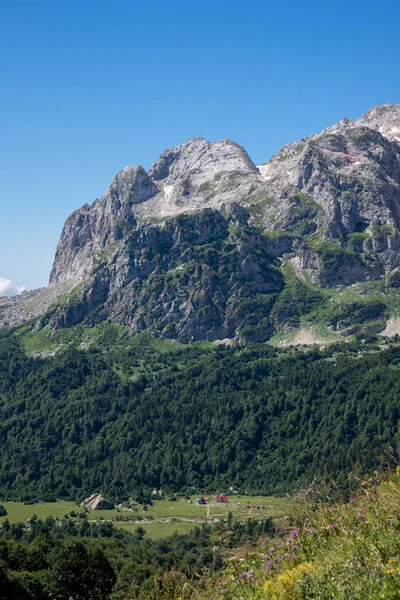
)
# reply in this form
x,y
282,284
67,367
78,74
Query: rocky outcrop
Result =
x,y
96,502
191,249
94,229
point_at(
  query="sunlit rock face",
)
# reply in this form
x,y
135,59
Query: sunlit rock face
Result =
x,y
193,248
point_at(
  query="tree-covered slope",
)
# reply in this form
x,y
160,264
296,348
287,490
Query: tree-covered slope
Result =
x,y
258,419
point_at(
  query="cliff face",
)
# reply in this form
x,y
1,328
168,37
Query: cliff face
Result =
x,y
193,278
193,248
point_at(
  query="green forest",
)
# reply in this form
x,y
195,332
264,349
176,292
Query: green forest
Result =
x,y
126,415
74,558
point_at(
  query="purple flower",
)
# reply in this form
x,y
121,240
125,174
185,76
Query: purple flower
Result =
x,y
308,530
332,525
352,501
271,549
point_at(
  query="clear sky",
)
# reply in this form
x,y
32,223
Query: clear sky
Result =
x,y
90,86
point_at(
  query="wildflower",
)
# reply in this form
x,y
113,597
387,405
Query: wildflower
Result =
x,y
333,508
332,525
308,530
389,571
352,500
271,549
283,585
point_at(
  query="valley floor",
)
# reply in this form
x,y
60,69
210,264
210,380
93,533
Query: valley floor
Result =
x,y
163,518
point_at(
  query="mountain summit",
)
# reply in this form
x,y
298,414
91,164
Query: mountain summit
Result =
x,y
206,245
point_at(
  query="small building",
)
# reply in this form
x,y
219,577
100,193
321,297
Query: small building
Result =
x,y
201,500
222,499
96,502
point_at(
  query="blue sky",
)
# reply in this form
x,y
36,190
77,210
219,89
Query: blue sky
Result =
x,y
89,86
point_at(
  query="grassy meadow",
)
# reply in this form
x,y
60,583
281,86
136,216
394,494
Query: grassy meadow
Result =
x,y
162,519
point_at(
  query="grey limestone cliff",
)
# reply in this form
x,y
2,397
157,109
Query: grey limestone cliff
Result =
x,y
194,247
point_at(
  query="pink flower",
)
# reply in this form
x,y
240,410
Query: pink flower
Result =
x,y
352,501
332,525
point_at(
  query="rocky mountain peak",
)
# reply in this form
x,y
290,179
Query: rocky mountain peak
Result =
x,y
200,160
132,185
193,248
91,229
385,119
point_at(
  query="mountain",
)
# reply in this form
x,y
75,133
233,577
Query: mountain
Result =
x,y
208,246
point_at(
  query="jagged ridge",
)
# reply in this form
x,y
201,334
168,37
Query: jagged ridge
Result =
x,y
191,248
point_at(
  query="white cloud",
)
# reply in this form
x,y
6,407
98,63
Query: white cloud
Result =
x,y
8,288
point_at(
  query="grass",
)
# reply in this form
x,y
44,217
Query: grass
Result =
x,y
157,531
320,334
163,513
18,512
237,506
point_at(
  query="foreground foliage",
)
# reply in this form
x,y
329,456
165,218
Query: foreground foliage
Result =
x,y
348,551
75,558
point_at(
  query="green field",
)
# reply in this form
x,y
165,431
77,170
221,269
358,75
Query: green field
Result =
x,y
157,531
164,515
18,512
274,507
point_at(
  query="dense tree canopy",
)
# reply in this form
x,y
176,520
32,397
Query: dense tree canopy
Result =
x,y
256,418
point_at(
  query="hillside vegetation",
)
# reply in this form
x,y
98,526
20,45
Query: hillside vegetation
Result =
x,y
325,548
122,417
346,551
